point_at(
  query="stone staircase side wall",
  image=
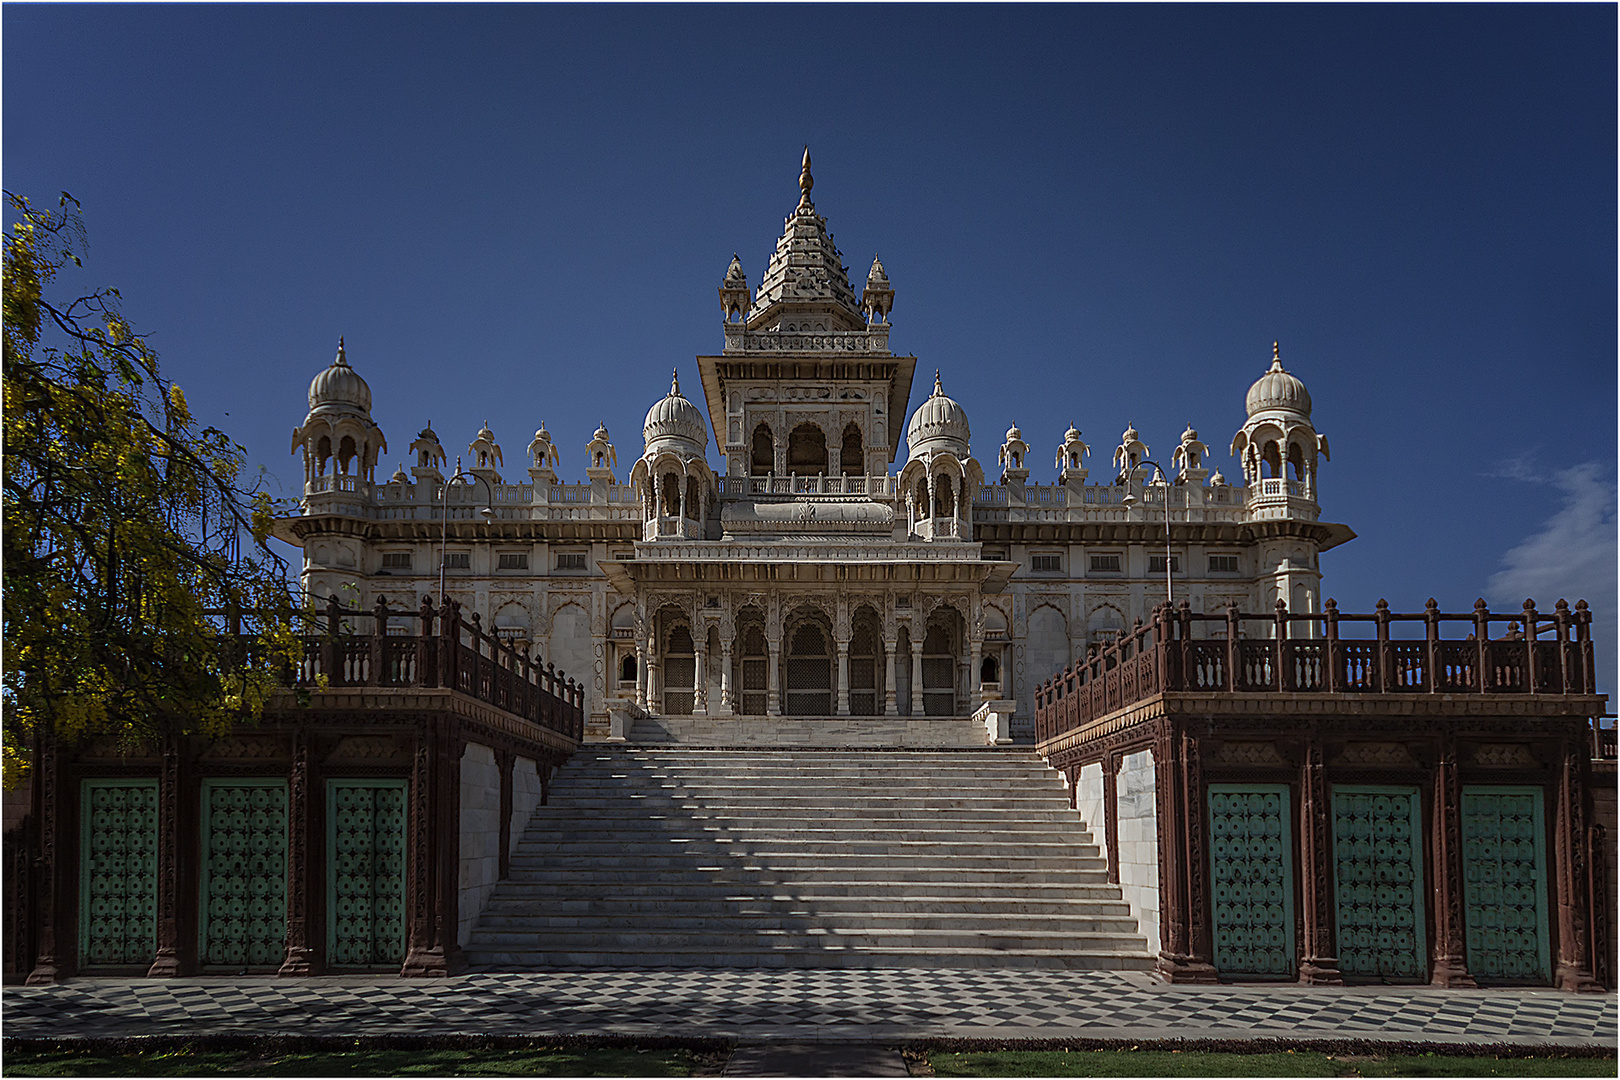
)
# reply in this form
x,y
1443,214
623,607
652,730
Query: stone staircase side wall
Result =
x,y
1137,795
480,835
525,798
1088,801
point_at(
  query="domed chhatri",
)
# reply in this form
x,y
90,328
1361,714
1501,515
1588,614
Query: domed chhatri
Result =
x,y
339,386
674,417
1277,389
940,419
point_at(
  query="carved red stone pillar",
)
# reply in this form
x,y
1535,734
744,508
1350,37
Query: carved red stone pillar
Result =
x,y
168,962
1574,970
435,842
55,958
1184,935
1450,967
304,879
1319,962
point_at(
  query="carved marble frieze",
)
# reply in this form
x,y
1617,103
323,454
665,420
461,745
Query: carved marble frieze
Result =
x,y
807,516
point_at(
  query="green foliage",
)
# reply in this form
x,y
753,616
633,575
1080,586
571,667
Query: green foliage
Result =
x,y
127,527
1286,1063
597,1061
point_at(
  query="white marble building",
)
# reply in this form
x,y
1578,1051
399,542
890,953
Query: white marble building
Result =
x,y
846,561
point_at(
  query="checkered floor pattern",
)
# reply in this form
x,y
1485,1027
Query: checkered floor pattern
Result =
x,y
817,1003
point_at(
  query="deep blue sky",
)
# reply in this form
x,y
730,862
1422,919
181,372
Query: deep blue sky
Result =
x,y
1102,215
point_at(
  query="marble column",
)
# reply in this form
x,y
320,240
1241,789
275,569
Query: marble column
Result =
x,y
641,676
773,679
891,649
700,682
727,705
843,678
916,679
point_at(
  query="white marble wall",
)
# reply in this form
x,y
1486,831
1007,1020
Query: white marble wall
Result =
x,y
1139,843
1088,800
480,834
525,798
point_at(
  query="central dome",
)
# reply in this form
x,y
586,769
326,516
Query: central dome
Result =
x,y
938,418
1277,389
339,385
674,417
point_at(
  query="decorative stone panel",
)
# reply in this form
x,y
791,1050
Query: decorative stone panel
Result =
x,y
1378,883
365,921
1251,864
1505,883
244,873
118,872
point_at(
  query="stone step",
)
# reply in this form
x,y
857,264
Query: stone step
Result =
x,y
863,877
603,834
618,815
807,843
656,940
495,926
526,905
819,955
707,888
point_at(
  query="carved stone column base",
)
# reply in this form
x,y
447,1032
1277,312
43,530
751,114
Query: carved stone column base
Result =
x,y
1576,979
167,965
301,962
1320,971
1184,969
45,973
1451,974
435,962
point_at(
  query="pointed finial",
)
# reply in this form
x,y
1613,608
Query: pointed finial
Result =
x,y
939,388
341,357
675,383
1276,355
806,181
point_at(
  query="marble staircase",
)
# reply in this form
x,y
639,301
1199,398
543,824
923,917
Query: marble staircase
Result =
x,y
682,856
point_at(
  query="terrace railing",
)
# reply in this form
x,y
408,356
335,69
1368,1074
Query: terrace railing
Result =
x,y
436,649
1308,653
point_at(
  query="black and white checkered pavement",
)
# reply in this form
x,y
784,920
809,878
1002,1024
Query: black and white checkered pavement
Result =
x,y
815,1004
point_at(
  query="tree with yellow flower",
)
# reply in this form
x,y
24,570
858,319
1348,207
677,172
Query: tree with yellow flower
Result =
x,y
130,539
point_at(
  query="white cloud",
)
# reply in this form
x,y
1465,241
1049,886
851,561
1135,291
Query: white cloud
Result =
x,y
1572,557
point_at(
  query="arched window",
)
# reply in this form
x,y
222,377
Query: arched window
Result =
x,y
807,451
1273,459
989,671
627,669
346,453
764,459
944,504
680,672
809,673
693,510
852,459
323,454
1296,458
672,495
753,661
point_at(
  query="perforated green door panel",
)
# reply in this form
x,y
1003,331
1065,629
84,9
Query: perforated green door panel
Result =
x,y
365,829
244,874
1505,883
1378,881
1252,873
118,872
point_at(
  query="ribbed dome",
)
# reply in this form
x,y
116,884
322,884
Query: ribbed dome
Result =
x,y
1014,435
340,384
673,417
1277,389
939,417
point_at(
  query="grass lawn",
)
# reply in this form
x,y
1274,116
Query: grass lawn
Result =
x,y
594,1061
1203,1063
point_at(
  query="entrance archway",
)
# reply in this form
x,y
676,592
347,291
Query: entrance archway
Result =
x,y
753,661
939,665
809,671
865,666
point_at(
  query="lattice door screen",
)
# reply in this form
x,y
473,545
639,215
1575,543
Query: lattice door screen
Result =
x,y
365,906
244,877
1378,881
118,872
1251,864
1505,883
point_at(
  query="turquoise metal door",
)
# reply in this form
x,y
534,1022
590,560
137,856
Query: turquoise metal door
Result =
x,y
1378,881
1505,883
1252,871
365,872
244,873
118,872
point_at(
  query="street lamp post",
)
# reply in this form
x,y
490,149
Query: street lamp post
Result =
x,y
1162,478
487,513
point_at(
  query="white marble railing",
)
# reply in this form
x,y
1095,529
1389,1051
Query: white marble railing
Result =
x,y
873,487
805,550
872,339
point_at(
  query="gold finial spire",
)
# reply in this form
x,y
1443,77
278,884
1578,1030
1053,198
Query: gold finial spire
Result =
x,y
341,358
675,383
806,181
1276,354
939,388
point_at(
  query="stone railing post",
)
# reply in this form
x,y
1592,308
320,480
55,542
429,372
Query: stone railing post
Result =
x,y
1335,654
1386,673
427,668
1285,670
1583,641
1532,662
1482,638
379,631
1234,652
1567,673
1431,636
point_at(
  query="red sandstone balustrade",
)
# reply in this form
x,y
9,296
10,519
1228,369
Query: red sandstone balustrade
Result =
x,y
1308,653
444,652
